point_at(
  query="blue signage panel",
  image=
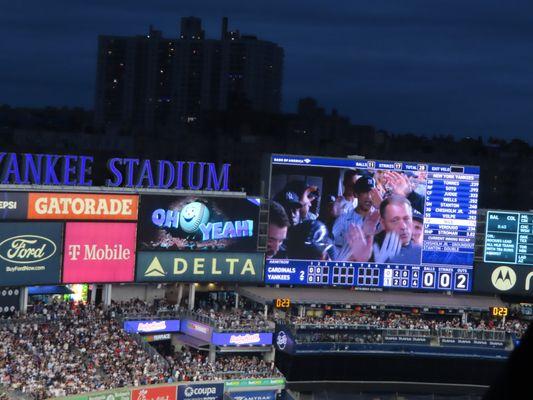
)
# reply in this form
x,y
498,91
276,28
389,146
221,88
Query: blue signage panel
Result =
x,y
172,266
30,253
211,391
242,339
372,223
13,205
152,326
256,395
196,329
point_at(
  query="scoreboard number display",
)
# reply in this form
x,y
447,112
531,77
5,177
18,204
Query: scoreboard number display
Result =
x,y
499,311
282,303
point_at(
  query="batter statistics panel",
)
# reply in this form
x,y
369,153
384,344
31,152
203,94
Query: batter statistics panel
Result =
x,y
450,213
509,238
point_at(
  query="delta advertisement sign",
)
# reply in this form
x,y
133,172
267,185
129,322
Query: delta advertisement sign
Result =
x,y
154,326
241,339
99,252
68,206
76,170
211,391
167,266
198,223
30,253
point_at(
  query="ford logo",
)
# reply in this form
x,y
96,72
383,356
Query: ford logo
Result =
x,y
27,249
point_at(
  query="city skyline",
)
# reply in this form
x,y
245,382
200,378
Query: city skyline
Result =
x,y
454,68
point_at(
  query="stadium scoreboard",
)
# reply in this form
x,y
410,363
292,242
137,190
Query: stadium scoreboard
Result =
x,y
509,238
450,196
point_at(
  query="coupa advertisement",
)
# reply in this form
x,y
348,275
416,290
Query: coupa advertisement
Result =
x,y
198,223
212,391
154,326
167,266
30,253
241,339
99,252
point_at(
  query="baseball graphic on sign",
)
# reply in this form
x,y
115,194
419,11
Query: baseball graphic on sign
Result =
x,y
192,215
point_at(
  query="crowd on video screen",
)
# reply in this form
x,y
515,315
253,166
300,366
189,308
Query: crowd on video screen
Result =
x,y
359,215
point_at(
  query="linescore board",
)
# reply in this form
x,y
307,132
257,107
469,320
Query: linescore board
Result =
x,y
446,197
509,238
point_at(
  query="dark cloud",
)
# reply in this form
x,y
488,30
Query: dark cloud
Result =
x,y
462,67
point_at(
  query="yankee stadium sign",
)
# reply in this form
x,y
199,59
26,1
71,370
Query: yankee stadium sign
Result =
x,y
74,170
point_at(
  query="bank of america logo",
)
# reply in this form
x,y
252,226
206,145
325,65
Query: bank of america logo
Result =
x,y
155,269
503,278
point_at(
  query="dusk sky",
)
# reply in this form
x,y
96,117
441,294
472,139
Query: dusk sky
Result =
x,y
427,67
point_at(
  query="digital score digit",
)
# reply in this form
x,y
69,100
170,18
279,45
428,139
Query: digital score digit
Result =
x,y
282,303
499,311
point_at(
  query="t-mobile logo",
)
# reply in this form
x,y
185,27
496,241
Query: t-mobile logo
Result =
x,y
74,251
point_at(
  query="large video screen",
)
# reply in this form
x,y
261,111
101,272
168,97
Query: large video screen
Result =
x,y
198,223
371,224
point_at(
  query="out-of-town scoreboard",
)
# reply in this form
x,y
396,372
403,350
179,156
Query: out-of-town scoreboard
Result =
x,y
509,238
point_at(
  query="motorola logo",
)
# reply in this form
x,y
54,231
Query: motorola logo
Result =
x,y
503,278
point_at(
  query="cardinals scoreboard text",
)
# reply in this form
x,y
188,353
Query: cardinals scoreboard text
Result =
x,y
509,238
437,243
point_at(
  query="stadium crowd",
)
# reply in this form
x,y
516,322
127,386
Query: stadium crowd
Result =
x,y
191,365
383,320
68,348
72,349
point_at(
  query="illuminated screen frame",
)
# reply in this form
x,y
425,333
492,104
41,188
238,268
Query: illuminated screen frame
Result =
x,y
444,269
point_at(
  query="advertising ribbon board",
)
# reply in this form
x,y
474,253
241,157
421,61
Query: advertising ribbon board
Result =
x,y
242,339
211,391
154,393
255,382
255,395
120,394
154,326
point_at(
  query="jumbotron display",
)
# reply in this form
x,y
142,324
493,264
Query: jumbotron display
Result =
x,y
509,238
371,224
